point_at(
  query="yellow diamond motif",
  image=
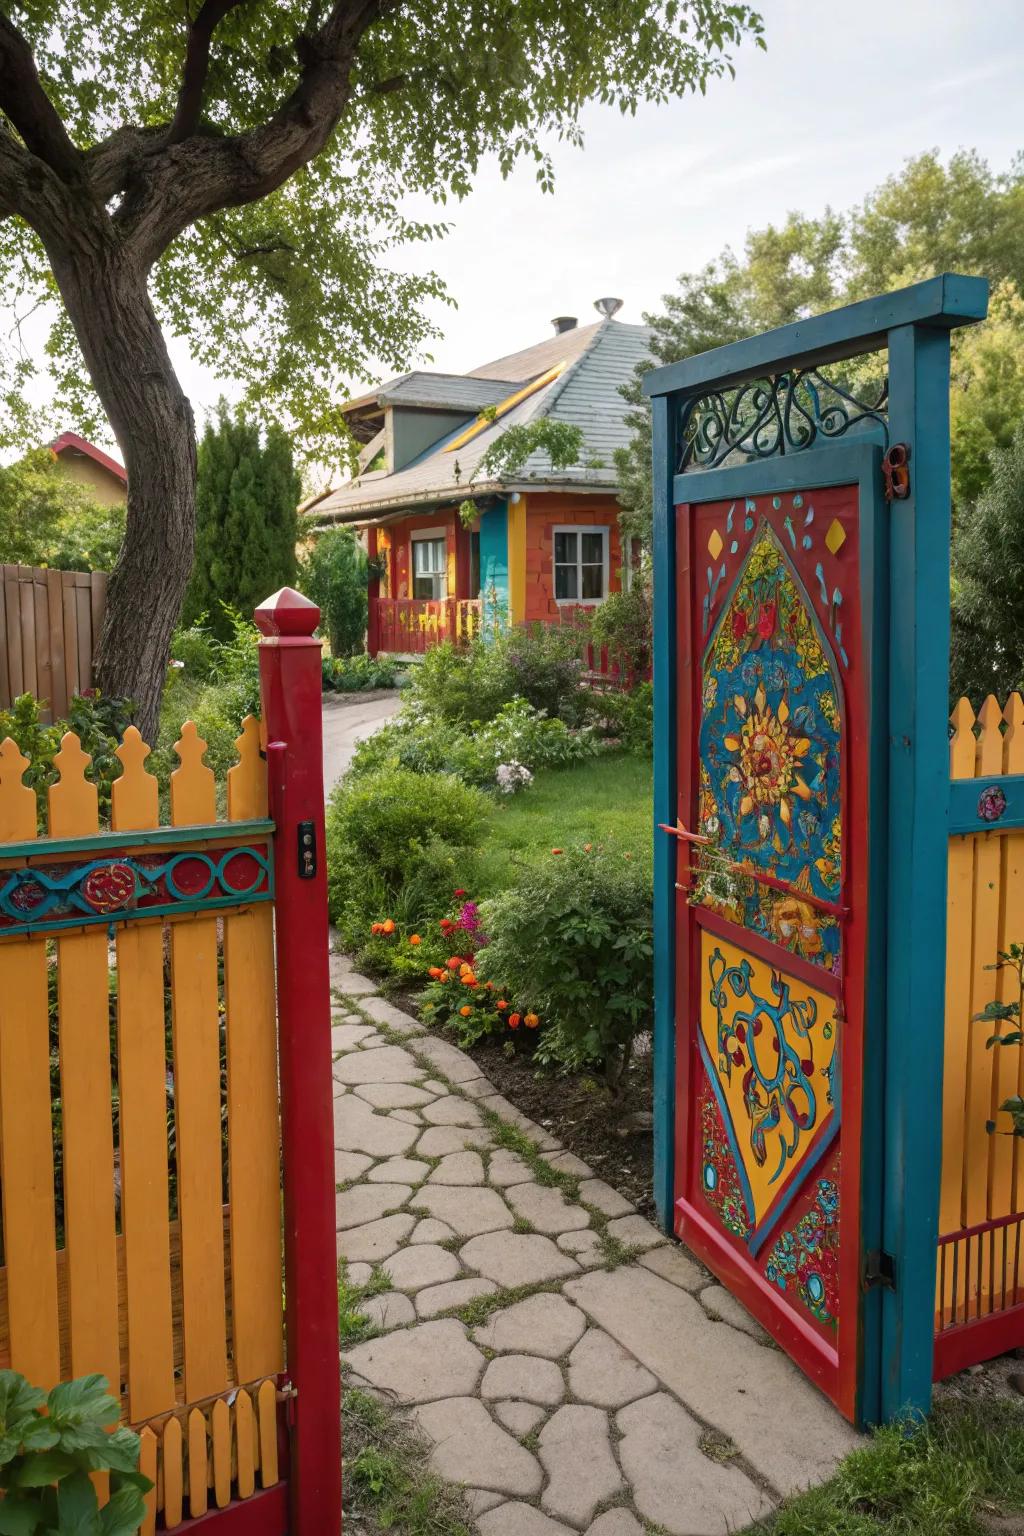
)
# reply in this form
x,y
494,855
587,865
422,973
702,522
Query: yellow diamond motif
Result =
x,y
715,544
836,537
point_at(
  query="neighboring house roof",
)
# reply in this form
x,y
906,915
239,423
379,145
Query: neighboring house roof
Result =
x,y
70,442
446,391
576,376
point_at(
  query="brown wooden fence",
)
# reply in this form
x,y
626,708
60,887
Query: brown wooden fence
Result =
x,y
49,628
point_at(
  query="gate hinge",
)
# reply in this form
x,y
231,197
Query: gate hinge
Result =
x,y
896,472
879,1270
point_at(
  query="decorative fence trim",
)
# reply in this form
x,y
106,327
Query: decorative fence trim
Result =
x,y
219,831
50,624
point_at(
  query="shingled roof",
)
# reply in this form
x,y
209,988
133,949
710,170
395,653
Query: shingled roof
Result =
x,y
593,362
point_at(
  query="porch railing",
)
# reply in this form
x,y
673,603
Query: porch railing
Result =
x,y
412,626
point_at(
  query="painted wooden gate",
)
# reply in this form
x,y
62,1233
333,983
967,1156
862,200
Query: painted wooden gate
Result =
x,y
141,1126
801,786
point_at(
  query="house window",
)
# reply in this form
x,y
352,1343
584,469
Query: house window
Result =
x,y
581,565
429,566
474,565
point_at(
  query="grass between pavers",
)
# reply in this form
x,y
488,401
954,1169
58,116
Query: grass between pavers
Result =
x,y
959,1473
388,1475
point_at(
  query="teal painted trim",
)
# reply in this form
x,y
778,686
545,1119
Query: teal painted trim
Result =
x,y
219,832
665,748
494,559
941,302
918,835
112,920
841,463
964,795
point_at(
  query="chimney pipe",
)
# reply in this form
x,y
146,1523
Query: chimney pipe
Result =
x,y
564,323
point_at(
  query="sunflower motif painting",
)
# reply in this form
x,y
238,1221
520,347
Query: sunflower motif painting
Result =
x,y
770,747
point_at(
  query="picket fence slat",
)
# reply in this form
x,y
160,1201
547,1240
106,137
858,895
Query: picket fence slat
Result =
x,y
245,1445
148,1458
173,1483
142,1061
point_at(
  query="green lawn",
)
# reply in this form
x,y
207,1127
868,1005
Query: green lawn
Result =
x,y
606,798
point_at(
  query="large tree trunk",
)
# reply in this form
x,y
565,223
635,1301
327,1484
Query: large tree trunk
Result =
x,y
107,298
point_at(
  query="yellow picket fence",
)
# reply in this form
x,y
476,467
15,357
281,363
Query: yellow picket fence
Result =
x,y
139,1137
980,1264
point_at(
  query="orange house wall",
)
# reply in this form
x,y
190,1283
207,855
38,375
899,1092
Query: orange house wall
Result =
x,y
401,551
544,513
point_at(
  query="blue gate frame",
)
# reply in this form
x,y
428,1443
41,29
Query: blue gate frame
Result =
x,y
908,754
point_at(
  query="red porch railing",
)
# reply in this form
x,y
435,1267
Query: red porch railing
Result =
x,y
412,626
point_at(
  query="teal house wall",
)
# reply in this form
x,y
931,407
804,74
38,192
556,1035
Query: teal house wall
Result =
x,y
494,558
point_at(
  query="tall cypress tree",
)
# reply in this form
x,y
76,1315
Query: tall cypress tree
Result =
x,y
247,494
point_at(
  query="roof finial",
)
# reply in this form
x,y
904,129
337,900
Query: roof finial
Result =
x,y
608,307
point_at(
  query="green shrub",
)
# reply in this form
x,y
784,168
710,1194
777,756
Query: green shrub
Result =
x,y
622,624
46,1459
518,734
194,650
397,844
98,722
334,576
356,674
460,684
573,940
543,664
630,717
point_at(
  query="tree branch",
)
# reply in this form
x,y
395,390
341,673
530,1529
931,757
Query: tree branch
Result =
x,y
29,109
196,67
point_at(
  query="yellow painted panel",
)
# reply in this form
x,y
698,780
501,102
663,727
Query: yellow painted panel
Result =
x,y
193,791
85,1077
142,1074
198,1108
266,1409
172,1479
198,1465
979,1151
1010,1059
26,1161
73,801
245,1441
220,1434
739,1031
959,926
517,561
247,780
135,795
254,1171
17,800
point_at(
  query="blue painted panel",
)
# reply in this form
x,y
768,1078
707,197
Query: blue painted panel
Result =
x,y
981,805
494,560
942,302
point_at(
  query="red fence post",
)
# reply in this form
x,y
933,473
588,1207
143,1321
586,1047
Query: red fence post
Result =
x,y
290,686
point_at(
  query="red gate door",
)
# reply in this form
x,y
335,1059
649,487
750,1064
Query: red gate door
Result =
x,y
771,912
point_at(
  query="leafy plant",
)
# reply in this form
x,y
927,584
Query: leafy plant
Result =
x,y
46,1458
622,624
334,575
997,1012
573,939
99,724
560,441
356,674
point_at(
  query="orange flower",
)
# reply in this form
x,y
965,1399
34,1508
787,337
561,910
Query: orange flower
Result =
x,y
376,927
587,847
531,1021
490,986
454,963
436,972
501,1003
388,925
414,938
557,850
514,1020
468,979
466,1011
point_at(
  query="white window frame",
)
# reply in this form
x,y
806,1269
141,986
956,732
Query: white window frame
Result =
x,y
437,536
580,528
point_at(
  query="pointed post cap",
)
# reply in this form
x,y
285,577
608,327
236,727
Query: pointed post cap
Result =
x,y
287,612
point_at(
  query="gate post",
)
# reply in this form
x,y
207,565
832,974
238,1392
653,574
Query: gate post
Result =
x,y
291,688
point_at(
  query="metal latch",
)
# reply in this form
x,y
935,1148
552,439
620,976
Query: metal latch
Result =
x,y
307,850
879,1270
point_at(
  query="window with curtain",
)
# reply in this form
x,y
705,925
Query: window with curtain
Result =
x,y
430,568
581,565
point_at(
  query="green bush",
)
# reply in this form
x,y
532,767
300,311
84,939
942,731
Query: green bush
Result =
x,y
622,624
334,576
518,734
543,664
460,684
573,940
630,717
46,1459
194,652
98,722
398,843
357,674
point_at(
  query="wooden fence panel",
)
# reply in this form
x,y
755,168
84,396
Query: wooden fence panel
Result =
x,y
50,624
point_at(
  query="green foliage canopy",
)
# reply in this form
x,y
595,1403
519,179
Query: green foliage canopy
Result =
x,y
334,576
930,217
48,519
987,652
247,494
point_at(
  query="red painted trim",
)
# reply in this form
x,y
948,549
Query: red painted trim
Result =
x,y
744,938
373,598
264,1514
71,442
290,686
981,1339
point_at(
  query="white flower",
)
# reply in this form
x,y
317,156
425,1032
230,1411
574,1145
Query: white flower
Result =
x,y
512,776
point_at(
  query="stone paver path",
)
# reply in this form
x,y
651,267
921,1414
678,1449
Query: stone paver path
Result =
x,y
574,1369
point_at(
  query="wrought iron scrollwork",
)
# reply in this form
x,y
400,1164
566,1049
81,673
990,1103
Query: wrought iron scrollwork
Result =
x,y
783,413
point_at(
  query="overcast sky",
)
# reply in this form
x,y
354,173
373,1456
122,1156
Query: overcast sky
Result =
x,y
841,98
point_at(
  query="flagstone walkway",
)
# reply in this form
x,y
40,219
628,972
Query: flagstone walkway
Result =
x,y
572,1367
